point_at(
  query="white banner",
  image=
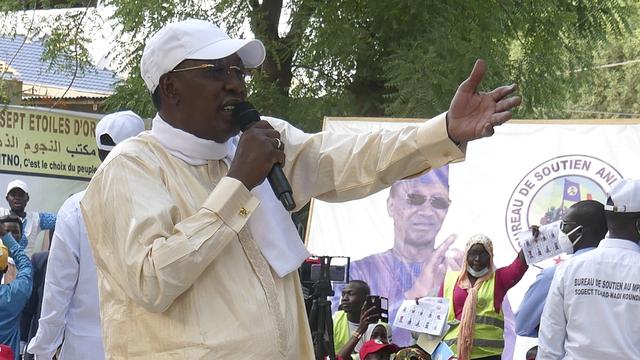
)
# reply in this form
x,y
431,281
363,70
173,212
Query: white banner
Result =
x,y
54,151
524,175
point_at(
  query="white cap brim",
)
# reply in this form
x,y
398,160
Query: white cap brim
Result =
x,y
251,51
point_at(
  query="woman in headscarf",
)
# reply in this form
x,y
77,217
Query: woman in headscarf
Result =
x,y
380,331
475,301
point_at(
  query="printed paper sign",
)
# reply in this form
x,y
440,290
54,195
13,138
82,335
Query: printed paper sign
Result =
x,y
546,246
428,316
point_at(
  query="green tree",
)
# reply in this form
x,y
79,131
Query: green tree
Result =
x,y
379,57
611,88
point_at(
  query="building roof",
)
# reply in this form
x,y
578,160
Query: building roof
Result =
x,y
39,80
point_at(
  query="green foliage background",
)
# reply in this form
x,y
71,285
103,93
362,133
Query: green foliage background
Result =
x,y
401,58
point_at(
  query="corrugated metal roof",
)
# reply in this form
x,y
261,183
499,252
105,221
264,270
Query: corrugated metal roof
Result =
x,y
32,70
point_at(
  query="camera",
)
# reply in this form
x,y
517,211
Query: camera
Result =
x,y
316,275
330,268
382,307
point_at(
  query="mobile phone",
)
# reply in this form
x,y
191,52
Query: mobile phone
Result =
x,y
382,307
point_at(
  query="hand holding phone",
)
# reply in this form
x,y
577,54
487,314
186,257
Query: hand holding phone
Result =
x,y
381,305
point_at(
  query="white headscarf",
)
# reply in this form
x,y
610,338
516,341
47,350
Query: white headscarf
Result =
x,y
369,332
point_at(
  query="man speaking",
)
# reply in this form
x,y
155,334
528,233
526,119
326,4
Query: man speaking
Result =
x,y
196,256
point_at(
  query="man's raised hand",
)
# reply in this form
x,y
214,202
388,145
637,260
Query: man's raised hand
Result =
x,y
473,115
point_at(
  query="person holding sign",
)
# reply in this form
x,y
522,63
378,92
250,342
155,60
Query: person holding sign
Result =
x,y
593,305
584,224
475,296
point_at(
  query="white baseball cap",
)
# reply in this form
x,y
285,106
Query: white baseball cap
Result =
x,y
625,196
17,184
120,126
197,40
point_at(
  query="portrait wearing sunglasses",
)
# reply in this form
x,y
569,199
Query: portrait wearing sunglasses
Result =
x,y
418,207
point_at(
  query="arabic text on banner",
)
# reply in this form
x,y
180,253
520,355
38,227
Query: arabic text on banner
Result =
x,y
42,142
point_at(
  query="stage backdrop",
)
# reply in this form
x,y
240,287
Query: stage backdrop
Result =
x,y
523,175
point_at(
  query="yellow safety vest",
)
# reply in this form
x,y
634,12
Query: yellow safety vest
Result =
x,y
488,329
341,332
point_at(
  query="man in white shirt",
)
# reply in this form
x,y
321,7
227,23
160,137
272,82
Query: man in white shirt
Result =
x,y
33,222
593,306
71,311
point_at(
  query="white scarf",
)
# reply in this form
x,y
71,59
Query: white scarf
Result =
x,y
270,225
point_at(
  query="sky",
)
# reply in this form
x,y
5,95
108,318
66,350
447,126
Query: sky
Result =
x,y
101,30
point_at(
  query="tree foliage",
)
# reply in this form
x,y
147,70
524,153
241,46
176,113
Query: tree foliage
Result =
x,y
379,57
611,89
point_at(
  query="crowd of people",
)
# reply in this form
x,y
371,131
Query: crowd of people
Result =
x,y
48,313
178,248
567,306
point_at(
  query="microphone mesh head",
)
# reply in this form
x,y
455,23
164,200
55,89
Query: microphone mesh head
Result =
x,y
244,115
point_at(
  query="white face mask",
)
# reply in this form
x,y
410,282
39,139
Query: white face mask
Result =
x,y
565,239
477,274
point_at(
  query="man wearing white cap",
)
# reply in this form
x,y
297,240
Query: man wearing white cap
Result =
x,y
71,310
196,257
593,305
33,222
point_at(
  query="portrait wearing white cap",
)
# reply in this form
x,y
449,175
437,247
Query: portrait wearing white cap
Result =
x,y
199,69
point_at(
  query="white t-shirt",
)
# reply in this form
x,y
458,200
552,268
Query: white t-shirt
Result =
x,y
593,305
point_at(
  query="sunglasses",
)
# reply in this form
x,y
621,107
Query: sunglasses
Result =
x,y
437,202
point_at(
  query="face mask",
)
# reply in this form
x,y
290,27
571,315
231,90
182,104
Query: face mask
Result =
x,y
565,239
477,274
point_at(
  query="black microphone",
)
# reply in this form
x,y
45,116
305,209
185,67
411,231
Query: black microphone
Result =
x,y
244,116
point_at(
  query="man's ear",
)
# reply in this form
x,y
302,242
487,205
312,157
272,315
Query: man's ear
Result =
x,y
390,205
168,90
26,198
